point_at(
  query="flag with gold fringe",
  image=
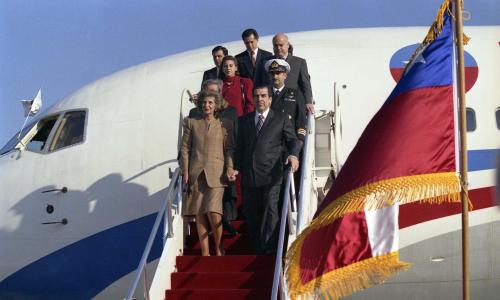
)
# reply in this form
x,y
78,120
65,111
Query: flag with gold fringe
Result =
x,y
405,154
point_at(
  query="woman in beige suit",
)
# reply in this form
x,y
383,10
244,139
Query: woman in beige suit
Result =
x,y
207,165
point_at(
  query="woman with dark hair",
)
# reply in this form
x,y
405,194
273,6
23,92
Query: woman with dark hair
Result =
x,y
236,90
207,164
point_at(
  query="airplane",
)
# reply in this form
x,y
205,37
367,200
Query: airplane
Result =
x,y
82,187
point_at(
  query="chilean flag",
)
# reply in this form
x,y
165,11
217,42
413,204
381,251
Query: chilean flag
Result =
x,y
405,154
399,60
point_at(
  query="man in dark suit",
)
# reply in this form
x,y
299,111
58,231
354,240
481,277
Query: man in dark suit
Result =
x,y
249,59
218,53
266,142
298,78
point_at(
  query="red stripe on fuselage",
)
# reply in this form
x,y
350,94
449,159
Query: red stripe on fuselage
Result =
x,y
415,213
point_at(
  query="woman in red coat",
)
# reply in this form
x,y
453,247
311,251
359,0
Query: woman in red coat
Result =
x,y
236,90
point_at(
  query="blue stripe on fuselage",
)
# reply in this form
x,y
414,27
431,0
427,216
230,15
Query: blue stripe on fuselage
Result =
x,y
483,159
84,268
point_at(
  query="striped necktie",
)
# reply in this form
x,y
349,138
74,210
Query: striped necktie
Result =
x,y
260,123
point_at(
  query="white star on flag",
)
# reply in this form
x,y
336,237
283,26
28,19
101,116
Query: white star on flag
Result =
x,y
419,58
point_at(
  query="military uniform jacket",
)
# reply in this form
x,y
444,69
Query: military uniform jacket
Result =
x,y
260,157
292,104
207,148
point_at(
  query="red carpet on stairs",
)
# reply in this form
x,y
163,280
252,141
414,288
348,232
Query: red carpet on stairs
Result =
x,y
238,275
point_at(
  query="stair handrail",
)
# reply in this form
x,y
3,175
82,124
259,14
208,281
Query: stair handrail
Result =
x,y
285,216
165,212
306,169
290,201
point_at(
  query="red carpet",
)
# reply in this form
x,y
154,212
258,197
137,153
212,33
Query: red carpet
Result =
x,y
238,275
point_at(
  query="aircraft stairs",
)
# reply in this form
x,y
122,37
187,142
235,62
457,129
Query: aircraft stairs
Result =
x,y
238,275
182,273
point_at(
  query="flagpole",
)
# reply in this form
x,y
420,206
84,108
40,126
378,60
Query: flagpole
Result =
x,y
20,131
463,151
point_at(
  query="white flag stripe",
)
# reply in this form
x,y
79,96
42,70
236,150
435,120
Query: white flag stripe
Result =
x,y
383,229
32,107
26,106
37,103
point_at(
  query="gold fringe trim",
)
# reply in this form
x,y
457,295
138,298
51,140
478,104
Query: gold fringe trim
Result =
x,y
347,280
427,188
435,30
465,39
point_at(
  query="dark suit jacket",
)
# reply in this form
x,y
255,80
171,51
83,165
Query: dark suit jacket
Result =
x,y
210,74
245,67
292,104
260,158
298,78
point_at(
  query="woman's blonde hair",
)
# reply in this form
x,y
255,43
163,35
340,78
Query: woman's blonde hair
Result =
x,y
220,103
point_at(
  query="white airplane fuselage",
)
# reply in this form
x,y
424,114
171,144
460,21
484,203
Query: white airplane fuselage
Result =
x,y
117,177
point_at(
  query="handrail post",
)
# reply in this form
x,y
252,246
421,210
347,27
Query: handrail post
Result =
x,y
146,287
180,187
279,254
293,196
291,200
303,172
165,224
168,212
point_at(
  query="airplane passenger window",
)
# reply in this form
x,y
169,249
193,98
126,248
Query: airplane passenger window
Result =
x,y
497,115
470,117
38,141
70,130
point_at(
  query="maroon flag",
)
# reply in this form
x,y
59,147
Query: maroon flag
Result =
x,y
405,154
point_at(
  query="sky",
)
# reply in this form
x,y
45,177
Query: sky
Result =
x,y
61,45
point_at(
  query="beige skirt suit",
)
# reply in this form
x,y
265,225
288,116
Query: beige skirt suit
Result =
x,y
206,152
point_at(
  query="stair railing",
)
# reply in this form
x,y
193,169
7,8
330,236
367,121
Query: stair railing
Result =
x,y
302,207
286,215
306,176
173,201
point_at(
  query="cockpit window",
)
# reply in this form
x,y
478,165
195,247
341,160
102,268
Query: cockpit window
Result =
x,y
38,141
12,143
70,130
50,134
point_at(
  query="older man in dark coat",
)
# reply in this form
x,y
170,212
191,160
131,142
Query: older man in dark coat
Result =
x,y
298,78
